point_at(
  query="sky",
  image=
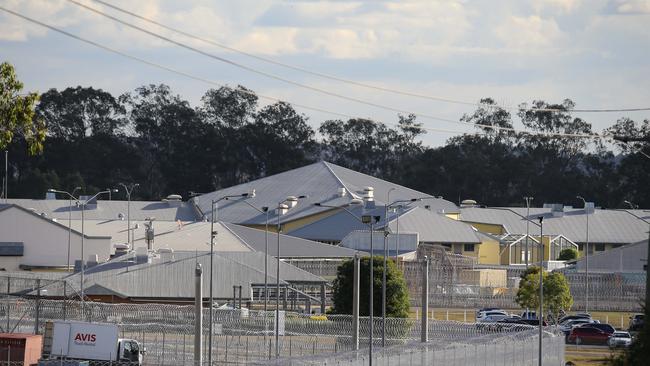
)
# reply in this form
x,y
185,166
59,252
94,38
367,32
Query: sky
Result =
x,y
594,52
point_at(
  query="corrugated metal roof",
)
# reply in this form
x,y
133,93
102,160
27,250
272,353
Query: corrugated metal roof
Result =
x,y
605,226
109,210
174,278
628,258
431,226
320,182
290,246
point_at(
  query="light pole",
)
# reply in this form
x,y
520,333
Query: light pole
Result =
x,y
128,189
83,234
541,287
586,256
213,234
70,198
383,280
283,207
264,211
370,221
527,199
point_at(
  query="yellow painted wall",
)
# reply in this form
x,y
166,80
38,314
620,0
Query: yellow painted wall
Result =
x,y
296,224
488,252
494,229
453,216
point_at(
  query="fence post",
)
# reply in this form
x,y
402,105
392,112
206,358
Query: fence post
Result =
x,y
322,298
425,301
198,315
8,302
355,303
38,306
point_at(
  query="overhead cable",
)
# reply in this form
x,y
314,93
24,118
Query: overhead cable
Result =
x,y
200,79
182,73
344,80
291,82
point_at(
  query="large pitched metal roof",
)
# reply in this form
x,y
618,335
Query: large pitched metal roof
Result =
x,y
320,182
605,226
168,278
110,210
431,226
290,246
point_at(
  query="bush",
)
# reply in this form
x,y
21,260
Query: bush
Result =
x,y
397,297
568,254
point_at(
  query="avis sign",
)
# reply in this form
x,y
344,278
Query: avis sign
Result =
x,y
86,339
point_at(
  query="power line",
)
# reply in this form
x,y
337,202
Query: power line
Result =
x,y
182,73
291,82
197,78
343,80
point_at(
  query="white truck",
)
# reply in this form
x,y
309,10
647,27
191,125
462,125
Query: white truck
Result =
x,y
90,341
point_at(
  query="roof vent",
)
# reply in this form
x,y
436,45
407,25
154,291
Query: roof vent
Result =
x,y
468,203
174,200
590,208
368,193
557,209
141,255
342,192
50,195
92,203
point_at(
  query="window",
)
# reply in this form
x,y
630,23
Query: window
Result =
x,y
600,247
468,247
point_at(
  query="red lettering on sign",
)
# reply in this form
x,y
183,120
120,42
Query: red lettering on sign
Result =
x,y
85,338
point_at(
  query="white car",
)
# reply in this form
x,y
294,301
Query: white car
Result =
x,y
620,339
491,316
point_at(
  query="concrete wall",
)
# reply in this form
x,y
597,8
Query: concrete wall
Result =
x,y
45,242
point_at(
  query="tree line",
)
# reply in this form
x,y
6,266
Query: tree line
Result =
x,y
154,137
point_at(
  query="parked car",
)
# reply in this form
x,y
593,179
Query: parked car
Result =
x,y
636,322
513,320
573,317
491,317
567,326
620,339
529,315
586,335
604,327
485,310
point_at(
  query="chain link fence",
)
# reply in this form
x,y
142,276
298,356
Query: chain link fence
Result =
x,y
504,349
239,336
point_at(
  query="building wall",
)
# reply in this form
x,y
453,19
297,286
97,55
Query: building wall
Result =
x,y
295,224
488,252
45,243
494,229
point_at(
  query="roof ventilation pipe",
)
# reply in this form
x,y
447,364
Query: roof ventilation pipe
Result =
x,y
342,192
468,203
369,197
174,200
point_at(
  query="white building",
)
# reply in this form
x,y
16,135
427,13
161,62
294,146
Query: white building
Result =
x,y
29,240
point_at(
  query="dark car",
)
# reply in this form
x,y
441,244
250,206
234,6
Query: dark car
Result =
x,y
604,327
636,322
573,317
587,335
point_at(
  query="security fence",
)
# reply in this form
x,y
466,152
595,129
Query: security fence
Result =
x,y
517,350
239,336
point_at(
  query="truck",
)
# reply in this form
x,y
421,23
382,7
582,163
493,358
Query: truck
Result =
x,y
89,342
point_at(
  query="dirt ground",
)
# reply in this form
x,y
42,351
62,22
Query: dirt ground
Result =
x,y
589,355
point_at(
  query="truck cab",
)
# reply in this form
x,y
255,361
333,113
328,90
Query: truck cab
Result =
x,y
130,350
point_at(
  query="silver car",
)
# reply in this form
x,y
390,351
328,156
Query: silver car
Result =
x,y
620,339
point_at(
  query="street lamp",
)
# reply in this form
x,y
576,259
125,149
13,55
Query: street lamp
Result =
x,y
527,199
370,221
128,189
83,206
541,287
213,234
586,256
383,280
283,207
70,198
264,211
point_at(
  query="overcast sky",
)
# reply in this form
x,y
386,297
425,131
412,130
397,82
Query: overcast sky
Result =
x,y
595,52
